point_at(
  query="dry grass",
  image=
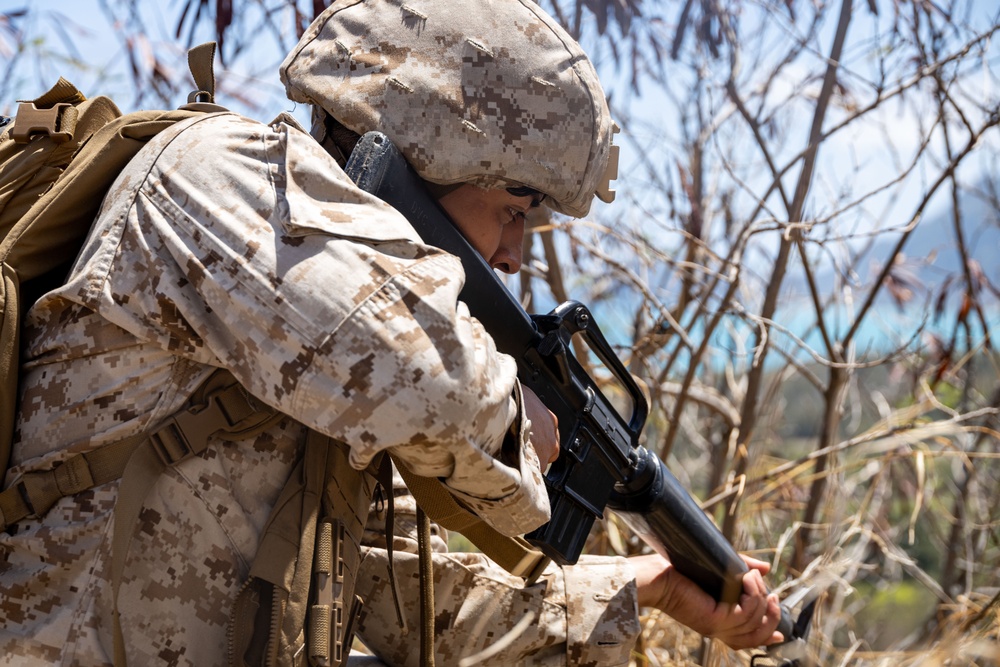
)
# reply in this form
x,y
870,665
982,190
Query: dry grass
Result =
x,y
883,549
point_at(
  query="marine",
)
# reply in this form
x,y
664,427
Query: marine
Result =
x,y
232,244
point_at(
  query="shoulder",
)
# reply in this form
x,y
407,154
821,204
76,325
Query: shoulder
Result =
x,y
214,167
208,139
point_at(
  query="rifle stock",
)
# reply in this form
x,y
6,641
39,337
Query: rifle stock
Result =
x,y
601,463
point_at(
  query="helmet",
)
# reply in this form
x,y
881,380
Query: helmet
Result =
x,y
490,92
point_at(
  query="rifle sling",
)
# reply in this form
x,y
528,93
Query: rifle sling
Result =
x,y
513,554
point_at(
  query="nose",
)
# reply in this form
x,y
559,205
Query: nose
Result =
x,y
507,258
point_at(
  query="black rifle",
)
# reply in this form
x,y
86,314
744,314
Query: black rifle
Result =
x,y
601,463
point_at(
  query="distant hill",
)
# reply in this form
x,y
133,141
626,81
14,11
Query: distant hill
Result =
x,y
931,263
934,242
931,252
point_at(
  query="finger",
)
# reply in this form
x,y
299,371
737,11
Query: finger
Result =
x,y
754,612
753,584
555,447
749,640
773,606
762,634
754,564
752,609
742,619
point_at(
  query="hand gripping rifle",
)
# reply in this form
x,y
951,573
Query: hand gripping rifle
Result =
x,y
601,464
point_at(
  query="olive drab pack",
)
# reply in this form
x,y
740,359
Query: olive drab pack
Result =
x,y
58,157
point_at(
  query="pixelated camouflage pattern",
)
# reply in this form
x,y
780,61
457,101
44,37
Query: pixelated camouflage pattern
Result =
x,y
235,244
481,91
168,293
583,616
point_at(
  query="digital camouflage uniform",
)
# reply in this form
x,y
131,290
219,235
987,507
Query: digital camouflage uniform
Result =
x,y
230,243
579,615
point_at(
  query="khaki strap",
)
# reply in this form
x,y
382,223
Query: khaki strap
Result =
x,y
10,346
201,63
34,493
227,409
63,91
282,569
138,461
384,477
513,554
426,589
230,409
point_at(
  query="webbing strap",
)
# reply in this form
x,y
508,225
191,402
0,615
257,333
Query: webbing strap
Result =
x,y
34,493
384,477
63,91
513,554
201,63
426,563
10,346
227,409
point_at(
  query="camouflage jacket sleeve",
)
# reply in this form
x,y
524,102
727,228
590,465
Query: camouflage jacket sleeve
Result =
x,y
584,615
245,246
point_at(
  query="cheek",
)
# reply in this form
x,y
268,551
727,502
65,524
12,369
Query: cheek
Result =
x,y
489,232
486,237
481,216
473,227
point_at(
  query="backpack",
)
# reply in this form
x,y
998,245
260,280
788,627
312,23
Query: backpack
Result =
x,y
58,158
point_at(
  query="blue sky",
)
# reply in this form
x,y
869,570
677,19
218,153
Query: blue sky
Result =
x,y
864,156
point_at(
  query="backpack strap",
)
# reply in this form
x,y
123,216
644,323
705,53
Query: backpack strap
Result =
x,y
314,532
513,554
220,408
269,611
55,114
201,62
227,407
34,152
34,493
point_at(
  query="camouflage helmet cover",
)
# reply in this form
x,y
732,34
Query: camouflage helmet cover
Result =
x,y
491,92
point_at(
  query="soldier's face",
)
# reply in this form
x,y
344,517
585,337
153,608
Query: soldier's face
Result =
x,y
492,221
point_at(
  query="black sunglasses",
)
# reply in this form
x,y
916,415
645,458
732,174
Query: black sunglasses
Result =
x,y
524,191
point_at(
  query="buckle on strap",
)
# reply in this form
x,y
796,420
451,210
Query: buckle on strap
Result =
x,y
187,433
31,121
531,566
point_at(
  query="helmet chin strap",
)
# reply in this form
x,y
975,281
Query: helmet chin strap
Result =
x,y
439,190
